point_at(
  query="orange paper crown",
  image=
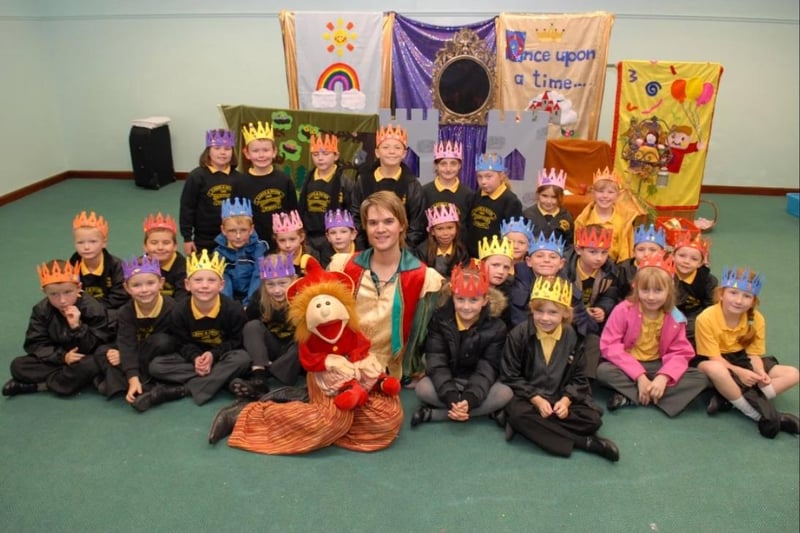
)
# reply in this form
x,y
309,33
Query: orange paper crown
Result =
x,y
91,221
469,281
391,132
607,175
657,260
686,240
54,273
324,143
159,221
592,238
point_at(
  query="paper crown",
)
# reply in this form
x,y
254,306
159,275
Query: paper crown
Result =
x,y
496,246
219,138
324,143
553,289
662,261
143,265
286,222
743,279
236,207
448,150
91,221
56,274
489,162
391,132
469,281
315,275
441,213
586,237
556,180
608,175
645,233
554,243
159,221
685,239
215,263
338,218
262,132
275,266
518,225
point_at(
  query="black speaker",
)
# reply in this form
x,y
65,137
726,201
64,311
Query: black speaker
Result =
x,y
151,155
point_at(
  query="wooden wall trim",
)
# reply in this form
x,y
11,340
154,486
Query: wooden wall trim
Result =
x,y
32,188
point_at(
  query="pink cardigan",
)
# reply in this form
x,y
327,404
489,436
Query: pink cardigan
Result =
x,y
622,330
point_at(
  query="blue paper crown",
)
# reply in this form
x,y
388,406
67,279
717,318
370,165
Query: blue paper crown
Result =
x,y
236,207
489,162
518,225
736,278
554,243
644,233
145,265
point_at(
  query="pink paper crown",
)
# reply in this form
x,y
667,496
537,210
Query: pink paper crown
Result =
x,y
441,213
592,238
449,150
286,222
143,265
274,266
219,138
662,261
556,180
338,218
159,221
469,281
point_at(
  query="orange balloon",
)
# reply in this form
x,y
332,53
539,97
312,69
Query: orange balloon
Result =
x,y
678,89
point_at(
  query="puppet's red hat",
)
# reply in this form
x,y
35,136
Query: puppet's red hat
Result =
x,y
315,275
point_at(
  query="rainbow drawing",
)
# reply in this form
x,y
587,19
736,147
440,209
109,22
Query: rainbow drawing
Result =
x,y
339,74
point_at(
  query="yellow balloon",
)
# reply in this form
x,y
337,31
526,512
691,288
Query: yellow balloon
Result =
x,y
694,87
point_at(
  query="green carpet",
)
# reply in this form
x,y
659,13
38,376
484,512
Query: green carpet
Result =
x,y
87,464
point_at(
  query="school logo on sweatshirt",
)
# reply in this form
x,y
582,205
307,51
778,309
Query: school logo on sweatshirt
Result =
x,y
318,201
209,337
218,193
483,217
269,200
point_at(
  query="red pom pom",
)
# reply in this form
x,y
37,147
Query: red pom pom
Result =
x,y
390,386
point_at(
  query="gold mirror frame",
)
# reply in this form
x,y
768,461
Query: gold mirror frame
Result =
x,y
464,46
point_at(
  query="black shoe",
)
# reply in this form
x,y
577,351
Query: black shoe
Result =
x,y
423,414
251,390
602,447
789,423
617,400
14,387
499,417
718,403
223,422
158,395
508,432
770,425
285,395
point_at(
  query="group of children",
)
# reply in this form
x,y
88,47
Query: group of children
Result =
x,y
539,306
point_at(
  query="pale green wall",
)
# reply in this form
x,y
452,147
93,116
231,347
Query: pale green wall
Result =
x,y
77,72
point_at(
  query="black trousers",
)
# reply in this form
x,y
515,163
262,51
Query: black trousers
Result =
x,y
267,350
59,377
114,380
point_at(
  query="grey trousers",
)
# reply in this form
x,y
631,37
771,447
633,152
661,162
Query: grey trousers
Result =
x,y
173,368
675,399
499,395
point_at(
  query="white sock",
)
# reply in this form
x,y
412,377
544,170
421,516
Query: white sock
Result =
x,y
747,410
768,391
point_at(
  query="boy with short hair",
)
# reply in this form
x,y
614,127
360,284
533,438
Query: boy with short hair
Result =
x,y
208,328
545,258
340,233
694,283
161,242
64,331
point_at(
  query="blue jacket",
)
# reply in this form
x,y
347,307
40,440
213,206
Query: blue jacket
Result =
x,y
242,277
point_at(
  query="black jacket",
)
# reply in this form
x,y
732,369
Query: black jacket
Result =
x,y
107,288
319,196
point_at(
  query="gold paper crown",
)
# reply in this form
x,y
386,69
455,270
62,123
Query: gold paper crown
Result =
x,y
159,221
496,246
91,221
324,143
590,237
261,132
216,263
686,240
607,174
54,273
550,34
554,289
391,132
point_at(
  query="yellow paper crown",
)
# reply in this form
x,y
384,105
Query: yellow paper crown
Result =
x,y
496,246
608,175
91,221
263,131
391,132
324,143
555,289
159,221
216,263
55,274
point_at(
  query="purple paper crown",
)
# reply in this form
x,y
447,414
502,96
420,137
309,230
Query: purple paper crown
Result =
x,y
554,243
731,278
489,162
644,233
274,266
236,207
219,138
338,218
143,265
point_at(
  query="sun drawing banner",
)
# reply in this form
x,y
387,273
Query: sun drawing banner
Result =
x,y
662,125
333,60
